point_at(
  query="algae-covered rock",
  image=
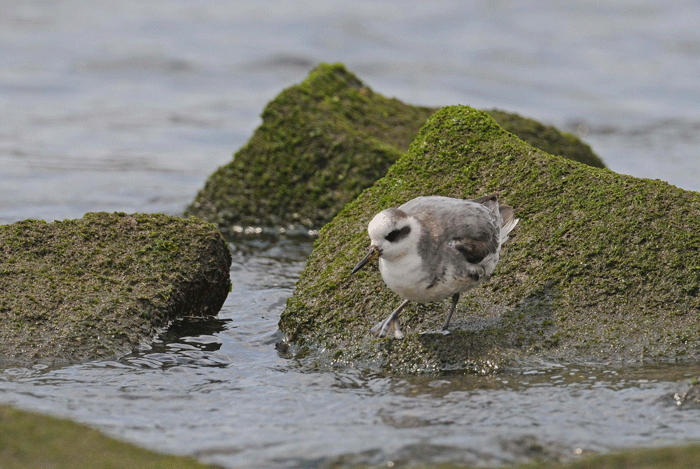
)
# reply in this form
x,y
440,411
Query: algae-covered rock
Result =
x,y
100,285
547,138
321,143
602,266
672,457
30,440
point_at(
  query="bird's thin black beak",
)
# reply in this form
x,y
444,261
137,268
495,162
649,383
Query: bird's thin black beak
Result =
x,y
371,255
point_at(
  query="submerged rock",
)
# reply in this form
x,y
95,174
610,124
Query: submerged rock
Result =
x,y
689,399
321,143
601,267
101,285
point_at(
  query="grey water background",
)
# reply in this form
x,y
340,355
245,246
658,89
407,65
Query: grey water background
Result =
x,y
129,106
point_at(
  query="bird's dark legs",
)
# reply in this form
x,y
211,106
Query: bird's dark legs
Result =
x,y
455,299
391,322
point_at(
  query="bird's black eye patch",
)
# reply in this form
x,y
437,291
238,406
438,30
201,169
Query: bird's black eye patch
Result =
x,y
398,235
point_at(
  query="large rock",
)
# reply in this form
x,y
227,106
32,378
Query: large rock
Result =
x,y
547,138
98,286
601,267
321,143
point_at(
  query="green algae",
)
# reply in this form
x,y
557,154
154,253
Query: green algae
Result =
x,y
547,138
103,284
601,267
321,143
32,440
675,457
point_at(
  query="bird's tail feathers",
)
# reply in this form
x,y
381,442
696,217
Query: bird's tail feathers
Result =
x,y
508,225
504,213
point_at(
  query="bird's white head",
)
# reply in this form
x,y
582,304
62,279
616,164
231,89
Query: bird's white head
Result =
x,y
393,233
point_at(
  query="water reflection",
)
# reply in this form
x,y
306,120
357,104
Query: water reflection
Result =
x,y
188,341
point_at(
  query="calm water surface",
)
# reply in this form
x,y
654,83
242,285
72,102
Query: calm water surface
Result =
x,y
129,106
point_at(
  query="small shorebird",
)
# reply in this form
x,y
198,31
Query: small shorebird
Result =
x,y
431,248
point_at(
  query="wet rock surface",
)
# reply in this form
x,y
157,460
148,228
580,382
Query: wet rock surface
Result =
x,y
98,286
601,267
689,399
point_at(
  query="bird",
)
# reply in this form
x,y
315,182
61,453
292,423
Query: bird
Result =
x,y
435,247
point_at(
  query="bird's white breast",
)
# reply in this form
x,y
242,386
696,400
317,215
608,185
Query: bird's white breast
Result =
x,y
405,276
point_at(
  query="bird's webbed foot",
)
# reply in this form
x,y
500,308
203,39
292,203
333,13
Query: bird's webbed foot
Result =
x,y
391,323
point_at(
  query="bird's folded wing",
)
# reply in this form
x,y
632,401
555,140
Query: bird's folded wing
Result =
x,y
474,251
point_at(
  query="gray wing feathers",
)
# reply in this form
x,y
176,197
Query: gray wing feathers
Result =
x,y
504,213
474,251
466,226
475,228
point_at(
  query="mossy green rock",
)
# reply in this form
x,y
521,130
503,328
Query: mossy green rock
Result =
x,y
674,457
601,267
547,138
31,440
321,143
101,285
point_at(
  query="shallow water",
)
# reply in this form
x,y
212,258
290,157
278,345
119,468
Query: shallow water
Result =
x,y
129,106
218,390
